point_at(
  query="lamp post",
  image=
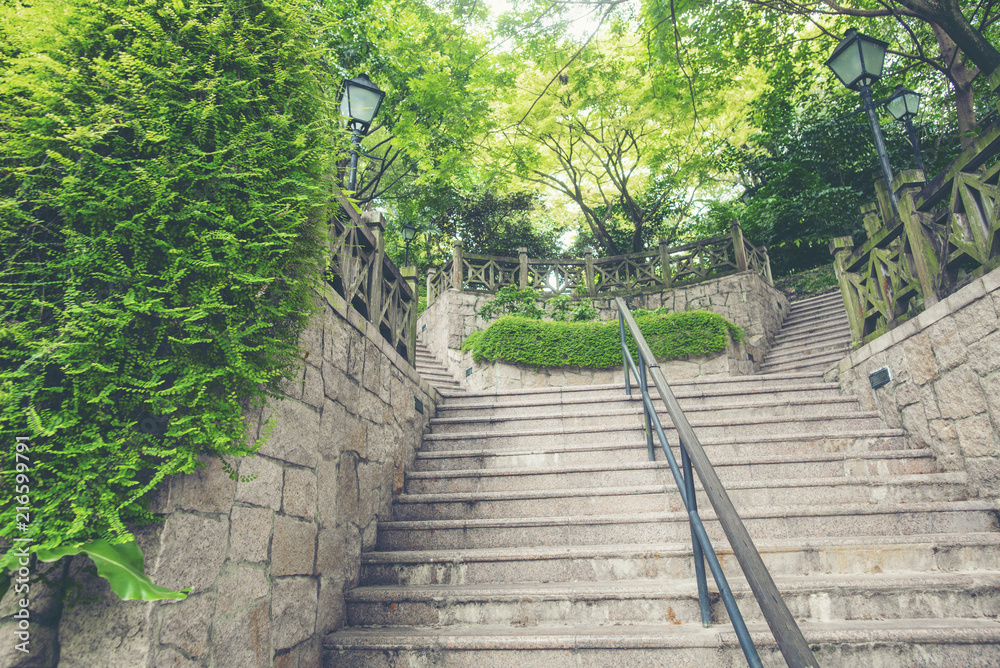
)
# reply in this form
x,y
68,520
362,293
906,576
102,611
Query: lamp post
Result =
x,y
409,231
857,61
360,103
904,105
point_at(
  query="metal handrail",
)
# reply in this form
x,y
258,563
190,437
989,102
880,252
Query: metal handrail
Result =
x,y
786,632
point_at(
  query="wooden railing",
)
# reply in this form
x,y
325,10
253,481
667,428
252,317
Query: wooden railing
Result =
x,y
366,278
946,235
619,275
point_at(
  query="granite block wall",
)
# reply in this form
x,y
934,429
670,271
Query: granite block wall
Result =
x,y
268,559
945,390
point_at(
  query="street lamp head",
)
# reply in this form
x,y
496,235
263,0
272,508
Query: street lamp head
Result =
x,y
857,61
360,101
409,231
904,103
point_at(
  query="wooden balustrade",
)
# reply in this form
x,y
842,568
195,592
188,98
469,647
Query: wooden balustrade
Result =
x,y
947,234
362,274
618,275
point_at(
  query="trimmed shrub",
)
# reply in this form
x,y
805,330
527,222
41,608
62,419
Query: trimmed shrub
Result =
x,y
597,344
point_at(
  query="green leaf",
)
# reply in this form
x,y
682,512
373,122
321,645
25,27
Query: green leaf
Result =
x,y
122,566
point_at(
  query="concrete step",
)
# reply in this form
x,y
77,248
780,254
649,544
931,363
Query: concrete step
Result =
x,y
734,406
840,332
811,328
608,500
549,454
888,644
579,430
807,350
690,398
615,472
829,309
667,527
805,363
810,555
815,598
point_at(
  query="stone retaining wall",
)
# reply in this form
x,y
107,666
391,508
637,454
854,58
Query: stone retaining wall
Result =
x,y
268,559
500,376
945,390
745,299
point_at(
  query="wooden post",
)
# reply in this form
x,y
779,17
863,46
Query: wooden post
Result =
x,y
457,269
431,273
522,256
375,284
767,265
738,248
589,273
665,273
840,249
925,258
873,222
410,276
884,203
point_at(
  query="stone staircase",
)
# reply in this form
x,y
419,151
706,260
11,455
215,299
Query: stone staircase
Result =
x,y
815,334
534,532
435,372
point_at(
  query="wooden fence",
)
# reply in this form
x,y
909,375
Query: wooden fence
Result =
x,y
360,272
946,235
605,277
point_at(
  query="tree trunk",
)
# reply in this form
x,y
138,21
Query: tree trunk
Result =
x,y
961,78
948,15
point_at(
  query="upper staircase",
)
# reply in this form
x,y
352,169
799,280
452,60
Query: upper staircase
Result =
x,y
533,531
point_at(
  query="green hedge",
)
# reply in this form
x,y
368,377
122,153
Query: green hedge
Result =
x,y
541,343
163,176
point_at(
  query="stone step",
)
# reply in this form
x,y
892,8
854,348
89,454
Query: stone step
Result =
x,y
774,522
810,555
690,397
960,642
615,472
594,500
841,332
733,405
811,327
550,455
815,598
798,309
622,429
729,383
830,295
805,363
807,351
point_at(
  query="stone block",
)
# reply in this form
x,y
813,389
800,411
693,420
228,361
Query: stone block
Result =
x,y
311,341
976,321
209,489
991,390
907,394
337,386
944,438
293,549
347,491
168,657
984,355
331,607
265,489
920,359
244,639
296,434
332,422
335,340
356,355
326,492
193,551
299,497
949,350
958,394
371,378
249,533
291,386
984,476
41,648
186,623
976,436
240,589
679,370
371,407
293,606
313,388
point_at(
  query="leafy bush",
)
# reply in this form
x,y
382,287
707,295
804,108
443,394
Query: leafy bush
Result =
x,y
524,303
565,308
538,343
161,182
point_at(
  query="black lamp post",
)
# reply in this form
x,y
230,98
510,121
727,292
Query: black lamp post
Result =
x,y
409,231
360,103
904,105
857,61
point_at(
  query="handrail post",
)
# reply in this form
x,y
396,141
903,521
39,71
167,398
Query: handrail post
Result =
x,y
621,327
645,412
589,273
665,274
431,275
522,257
840,249
457,267
767,265
738,248
699,554
376,223
409,275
